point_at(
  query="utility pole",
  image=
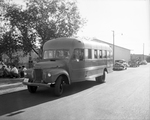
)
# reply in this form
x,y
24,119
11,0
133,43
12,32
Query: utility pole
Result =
x,y
143,51
113,47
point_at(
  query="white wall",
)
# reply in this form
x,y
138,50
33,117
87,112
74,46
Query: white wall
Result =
x,y
122,53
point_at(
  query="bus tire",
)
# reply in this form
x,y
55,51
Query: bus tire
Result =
x,y
59,86
104,77
101,79
32,89
98,79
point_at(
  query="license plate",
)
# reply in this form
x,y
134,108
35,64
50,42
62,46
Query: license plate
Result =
x,y
26,80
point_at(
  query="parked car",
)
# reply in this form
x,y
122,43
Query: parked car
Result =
x,y
120,65
134,63
144,62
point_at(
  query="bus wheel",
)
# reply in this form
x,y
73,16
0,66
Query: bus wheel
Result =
x,y
59,86
101,79
98,79
32,89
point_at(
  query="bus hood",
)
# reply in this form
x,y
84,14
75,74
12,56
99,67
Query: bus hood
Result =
x,y
49,64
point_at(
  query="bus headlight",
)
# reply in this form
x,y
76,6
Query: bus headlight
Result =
x,y
49,75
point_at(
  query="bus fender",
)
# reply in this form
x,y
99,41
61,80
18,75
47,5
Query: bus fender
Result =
x,y
105,70
60,72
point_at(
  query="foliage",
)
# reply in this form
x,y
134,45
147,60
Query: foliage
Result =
x,y
40,21
19,21
9,44
54,18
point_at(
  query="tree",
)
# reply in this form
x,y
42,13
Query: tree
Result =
x,y
2,28
44,20
20,23
55,18
9,44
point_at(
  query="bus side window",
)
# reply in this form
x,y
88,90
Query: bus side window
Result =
x,y
86,53
100,53
95,54
46,55
108,54
66,54
89,54
59,54
78,55
111,54
103,54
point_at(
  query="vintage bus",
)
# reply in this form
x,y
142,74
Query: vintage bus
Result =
x,y
69,60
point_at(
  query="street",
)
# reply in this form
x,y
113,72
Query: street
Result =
x,y
124,96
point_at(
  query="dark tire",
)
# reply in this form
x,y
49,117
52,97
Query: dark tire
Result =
x,y
101,79
59,86
32,89
125,68
98,79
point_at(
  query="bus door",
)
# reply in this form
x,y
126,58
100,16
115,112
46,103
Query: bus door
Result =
x,y
77,66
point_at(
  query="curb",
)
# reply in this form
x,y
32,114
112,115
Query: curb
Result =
x,y
10,80
9,86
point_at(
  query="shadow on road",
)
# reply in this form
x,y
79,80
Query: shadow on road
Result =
x,y
16,101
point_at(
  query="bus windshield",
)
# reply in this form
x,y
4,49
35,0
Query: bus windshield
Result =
x,y
56,54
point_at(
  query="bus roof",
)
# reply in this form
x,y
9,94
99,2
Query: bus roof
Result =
x,y
62,42
75,42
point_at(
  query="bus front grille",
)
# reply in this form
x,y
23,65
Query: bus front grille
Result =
x,y
38,75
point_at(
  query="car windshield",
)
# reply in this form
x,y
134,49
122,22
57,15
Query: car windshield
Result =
x,y
56,54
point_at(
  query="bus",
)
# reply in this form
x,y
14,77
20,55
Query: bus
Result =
x,y
68,60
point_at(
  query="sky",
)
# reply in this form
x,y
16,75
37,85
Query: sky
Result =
x,y
129,19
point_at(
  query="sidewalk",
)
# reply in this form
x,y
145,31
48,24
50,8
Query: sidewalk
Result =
x,y
10,80
8,85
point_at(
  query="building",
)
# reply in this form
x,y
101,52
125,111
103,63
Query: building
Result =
x,y
139,57
120,52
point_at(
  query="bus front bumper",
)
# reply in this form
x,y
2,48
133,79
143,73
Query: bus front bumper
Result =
x,y
26,82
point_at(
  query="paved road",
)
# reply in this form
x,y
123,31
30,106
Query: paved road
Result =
x,y
125,96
